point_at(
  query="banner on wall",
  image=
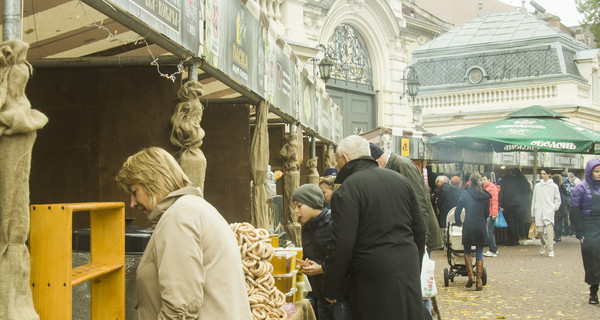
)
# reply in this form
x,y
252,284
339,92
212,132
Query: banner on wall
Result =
x,y
326,109
307,104
251,55
337,124
212,49
238,58
180,21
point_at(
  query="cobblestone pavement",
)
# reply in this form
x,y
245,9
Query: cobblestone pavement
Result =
x,y
521,284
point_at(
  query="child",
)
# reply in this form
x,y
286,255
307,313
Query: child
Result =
x,y
316,220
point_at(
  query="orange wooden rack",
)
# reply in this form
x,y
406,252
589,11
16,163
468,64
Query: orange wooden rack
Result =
x,y
52,274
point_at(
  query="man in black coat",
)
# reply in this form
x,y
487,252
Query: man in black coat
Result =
x,y
513,199
447,199
377,238
407,168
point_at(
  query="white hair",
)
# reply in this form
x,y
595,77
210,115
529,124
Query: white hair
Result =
x,y
354,146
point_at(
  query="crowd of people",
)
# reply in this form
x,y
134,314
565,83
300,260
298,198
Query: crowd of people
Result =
x,y
558,205
365,229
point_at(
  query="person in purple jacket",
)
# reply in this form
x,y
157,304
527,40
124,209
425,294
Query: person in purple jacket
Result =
x,y
585,218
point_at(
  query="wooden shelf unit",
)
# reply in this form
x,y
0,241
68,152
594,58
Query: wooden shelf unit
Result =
x,y
52,274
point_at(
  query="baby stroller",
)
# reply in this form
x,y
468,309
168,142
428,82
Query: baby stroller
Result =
x,y
455,251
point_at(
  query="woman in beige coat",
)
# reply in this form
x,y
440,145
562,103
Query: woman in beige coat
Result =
x,y
191,268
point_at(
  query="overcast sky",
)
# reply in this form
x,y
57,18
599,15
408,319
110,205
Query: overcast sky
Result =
x,y
565,9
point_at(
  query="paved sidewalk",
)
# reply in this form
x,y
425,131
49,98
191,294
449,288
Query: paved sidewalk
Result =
x,y
522,284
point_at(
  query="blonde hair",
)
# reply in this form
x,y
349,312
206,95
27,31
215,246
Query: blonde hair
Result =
x,y
557,178
440,179
155,170
329,182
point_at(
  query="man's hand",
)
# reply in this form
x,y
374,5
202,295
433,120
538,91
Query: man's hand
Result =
x,y
310,268
331,300
302,262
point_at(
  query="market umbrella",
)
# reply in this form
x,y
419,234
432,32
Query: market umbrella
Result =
x,y
530,129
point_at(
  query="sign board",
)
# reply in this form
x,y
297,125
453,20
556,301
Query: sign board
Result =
x,y
180,21
308,104
325,120
244,49
405,147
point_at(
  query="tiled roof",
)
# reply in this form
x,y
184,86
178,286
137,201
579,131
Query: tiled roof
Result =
x,y
497,66
495,29
505,47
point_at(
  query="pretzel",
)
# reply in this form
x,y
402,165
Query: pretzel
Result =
x,y
256,251
259,313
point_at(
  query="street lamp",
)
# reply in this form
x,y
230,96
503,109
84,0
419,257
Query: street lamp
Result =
x,y
411,87
411,83
325,68
326,64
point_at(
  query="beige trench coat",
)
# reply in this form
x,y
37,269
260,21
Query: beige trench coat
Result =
x,y
191,268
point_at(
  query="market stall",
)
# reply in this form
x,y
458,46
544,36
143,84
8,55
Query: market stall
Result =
x,y
124,75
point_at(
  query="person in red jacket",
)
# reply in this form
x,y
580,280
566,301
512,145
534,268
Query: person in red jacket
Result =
x,y
493,190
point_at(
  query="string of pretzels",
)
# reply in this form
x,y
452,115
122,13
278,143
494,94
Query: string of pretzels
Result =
x,y
256,251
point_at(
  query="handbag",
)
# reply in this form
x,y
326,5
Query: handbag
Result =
x,y
428,288
532,230
500,222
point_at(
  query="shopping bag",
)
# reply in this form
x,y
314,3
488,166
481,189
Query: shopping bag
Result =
x,y
428,288
500,222
532,230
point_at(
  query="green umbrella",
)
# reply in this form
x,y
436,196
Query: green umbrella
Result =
x,y
529,129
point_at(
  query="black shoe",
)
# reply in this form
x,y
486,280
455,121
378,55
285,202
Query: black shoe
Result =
x,y
594,299
557,240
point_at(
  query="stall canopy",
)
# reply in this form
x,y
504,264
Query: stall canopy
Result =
x,y
529,129
245,62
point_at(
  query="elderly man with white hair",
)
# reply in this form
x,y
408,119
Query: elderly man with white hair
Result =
x,y
377,238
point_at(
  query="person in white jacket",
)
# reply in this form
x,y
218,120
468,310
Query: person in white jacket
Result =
x,y
546,200
191,268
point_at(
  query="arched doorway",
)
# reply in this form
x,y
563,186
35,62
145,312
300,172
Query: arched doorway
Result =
x,y
351,82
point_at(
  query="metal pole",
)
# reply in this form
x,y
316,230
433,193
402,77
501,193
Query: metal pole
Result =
x,y
313,147
103,62
11,20
535,167
193,71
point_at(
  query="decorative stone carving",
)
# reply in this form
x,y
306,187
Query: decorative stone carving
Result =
x,y
291,182
313,173
259,163
330,161
18,126
187,133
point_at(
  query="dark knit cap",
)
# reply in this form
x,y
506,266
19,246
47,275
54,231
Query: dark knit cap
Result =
x,y
310,195
376,151
330,172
